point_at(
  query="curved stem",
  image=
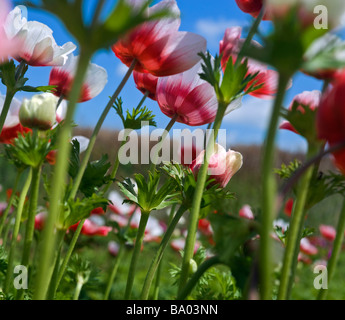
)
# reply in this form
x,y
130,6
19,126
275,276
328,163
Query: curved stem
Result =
x,y
68,254
196,276
294,235
269,193
138,242
194,214
20,208
160,143
30,224
333,261
6,107
58,183
159,254
79,177
10,201
114,271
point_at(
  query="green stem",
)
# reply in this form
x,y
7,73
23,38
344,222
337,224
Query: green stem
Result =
x,y
194,215
250,36
157,282
338,241
294,236
10,201
30,224
82,168
159,254
269,190
138,242
114,271
68,254
6,107
58,183
160,143
196,276
20,208
78,290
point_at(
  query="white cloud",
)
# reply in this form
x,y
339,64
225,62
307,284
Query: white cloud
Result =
x,y
213,30
121,69
254,113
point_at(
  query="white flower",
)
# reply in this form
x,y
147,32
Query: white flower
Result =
x,y
38,45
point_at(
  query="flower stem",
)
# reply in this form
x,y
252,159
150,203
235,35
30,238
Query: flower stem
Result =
x,y
114,271
6,107
269,190
16,231
333,261
78,290
194,214
196,276
294,236
138,242
98,127
10,201
159,254
160,144
68,254
30,224
58,183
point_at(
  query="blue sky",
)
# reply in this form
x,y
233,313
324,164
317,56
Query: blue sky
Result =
x,y
210,19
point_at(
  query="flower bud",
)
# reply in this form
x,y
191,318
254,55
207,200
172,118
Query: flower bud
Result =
x,y
39,112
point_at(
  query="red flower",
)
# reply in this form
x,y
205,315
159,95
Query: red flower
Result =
x,y
246,212
331,118
253,7
288,207
40,220
328,232
205,227
146,82
268,79
158,46
307,248
92,229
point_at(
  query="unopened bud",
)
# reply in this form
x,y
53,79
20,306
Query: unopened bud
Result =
x,y
39,112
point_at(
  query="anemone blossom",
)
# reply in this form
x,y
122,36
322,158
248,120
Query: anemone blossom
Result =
x,y
157,46
146,83
190,99
222,165
63,77
38,46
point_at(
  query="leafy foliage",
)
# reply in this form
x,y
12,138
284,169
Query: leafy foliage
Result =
x,y
134,120
149,197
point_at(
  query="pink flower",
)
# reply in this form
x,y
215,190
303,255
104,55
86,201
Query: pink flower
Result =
x,y
246,212
190,98
310,99
328,232
222,165
38,45
40,220
113,248
8,46
307,248
146,82
188,153
63,77
158,46
90,228
268,79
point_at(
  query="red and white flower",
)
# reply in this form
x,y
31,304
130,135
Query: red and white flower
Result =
x,y
38,45
157,46
189,98
222,164
246,212
328,232
307,247
63,77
